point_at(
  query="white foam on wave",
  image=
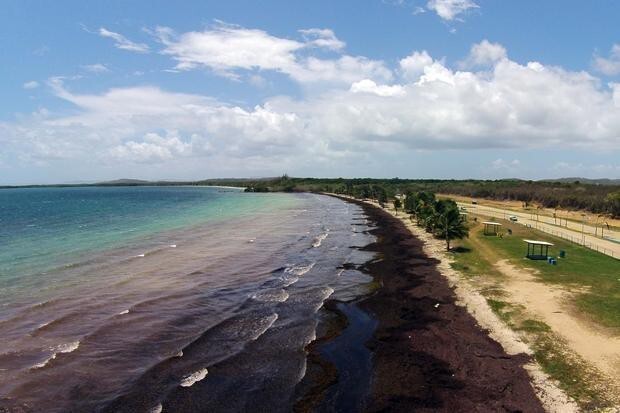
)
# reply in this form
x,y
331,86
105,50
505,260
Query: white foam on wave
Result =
x,y
302,371
139,256
43,325
318,240
290,281
325,293
278,296
123,312
173,245
264,325
299,270
328,292
195,377
157,409
63,348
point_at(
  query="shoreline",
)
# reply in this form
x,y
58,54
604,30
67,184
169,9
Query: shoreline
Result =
x,y
552,397
428,351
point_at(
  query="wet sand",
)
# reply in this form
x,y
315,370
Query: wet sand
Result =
x,y
428,353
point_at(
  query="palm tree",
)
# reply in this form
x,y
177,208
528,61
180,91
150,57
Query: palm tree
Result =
x,y
397,205
448,222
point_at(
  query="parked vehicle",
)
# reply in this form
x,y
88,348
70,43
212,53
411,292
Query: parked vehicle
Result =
x,y
513,218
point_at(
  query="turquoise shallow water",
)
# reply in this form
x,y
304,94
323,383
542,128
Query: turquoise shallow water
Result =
x,y
44,228
142,299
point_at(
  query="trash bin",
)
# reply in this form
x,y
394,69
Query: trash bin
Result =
x,y
562,254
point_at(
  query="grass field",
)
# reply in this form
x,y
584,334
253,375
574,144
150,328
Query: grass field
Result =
x,y
582,267
596,274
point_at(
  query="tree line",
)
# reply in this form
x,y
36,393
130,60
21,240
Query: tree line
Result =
x,y
440,217
575,195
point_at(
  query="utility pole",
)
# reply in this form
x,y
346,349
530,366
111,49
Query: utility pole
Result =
x,y
583,225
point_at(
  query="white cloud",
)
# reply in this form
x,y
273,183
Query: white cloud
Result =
x,y
96,68
152,149
228,49
33,84
413,65
609,66
368,86
121,42
431,106
324,38
124,124
450,9
344,70
483,54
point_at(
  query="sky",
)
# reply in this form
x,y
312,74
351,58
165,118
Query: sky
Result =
x,y
93,91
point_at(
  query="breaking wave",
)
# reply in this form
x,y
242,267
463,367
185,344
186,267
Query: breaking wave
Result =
x,y
195,377
63,348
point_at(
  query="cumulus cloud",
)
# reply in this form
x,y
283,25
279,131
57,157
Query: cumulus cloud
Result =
x,y
228,49
413,65
430,106
450,9
152,148
609,66
483,54
123,43
124,124
33,84
368,86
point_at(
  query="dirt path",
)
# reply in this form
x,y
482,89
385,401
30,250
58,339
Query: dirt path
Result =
x,y
549,303
429,353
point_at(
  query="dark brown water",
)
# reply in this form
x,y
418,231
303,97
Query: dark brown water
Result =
x,y
219,321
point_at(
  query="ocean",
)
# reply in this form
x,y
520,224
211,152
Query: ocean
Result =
x,y
167,298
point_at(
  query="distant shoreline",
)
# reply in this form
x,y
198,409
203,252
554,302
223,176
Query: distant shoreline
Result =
x,y
121,185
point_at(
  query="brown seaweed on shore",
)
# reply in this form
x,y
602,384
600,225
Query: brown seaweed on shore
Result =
x,y
429,354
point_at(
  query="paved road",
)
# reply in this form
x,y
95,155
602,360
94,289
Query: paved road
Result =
x,y
571,232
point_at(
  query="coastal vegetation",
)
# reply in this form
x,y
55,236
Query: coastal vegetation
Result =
x,y
598,198
441,217
438,216
591,278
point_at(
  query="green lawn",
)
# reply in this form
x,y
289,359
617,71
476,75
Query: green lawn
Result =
x,y
475,256
582,267
470,261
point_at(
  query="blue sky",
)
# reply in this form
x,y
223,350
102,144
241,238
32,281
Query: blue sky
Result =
x,y
431,88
